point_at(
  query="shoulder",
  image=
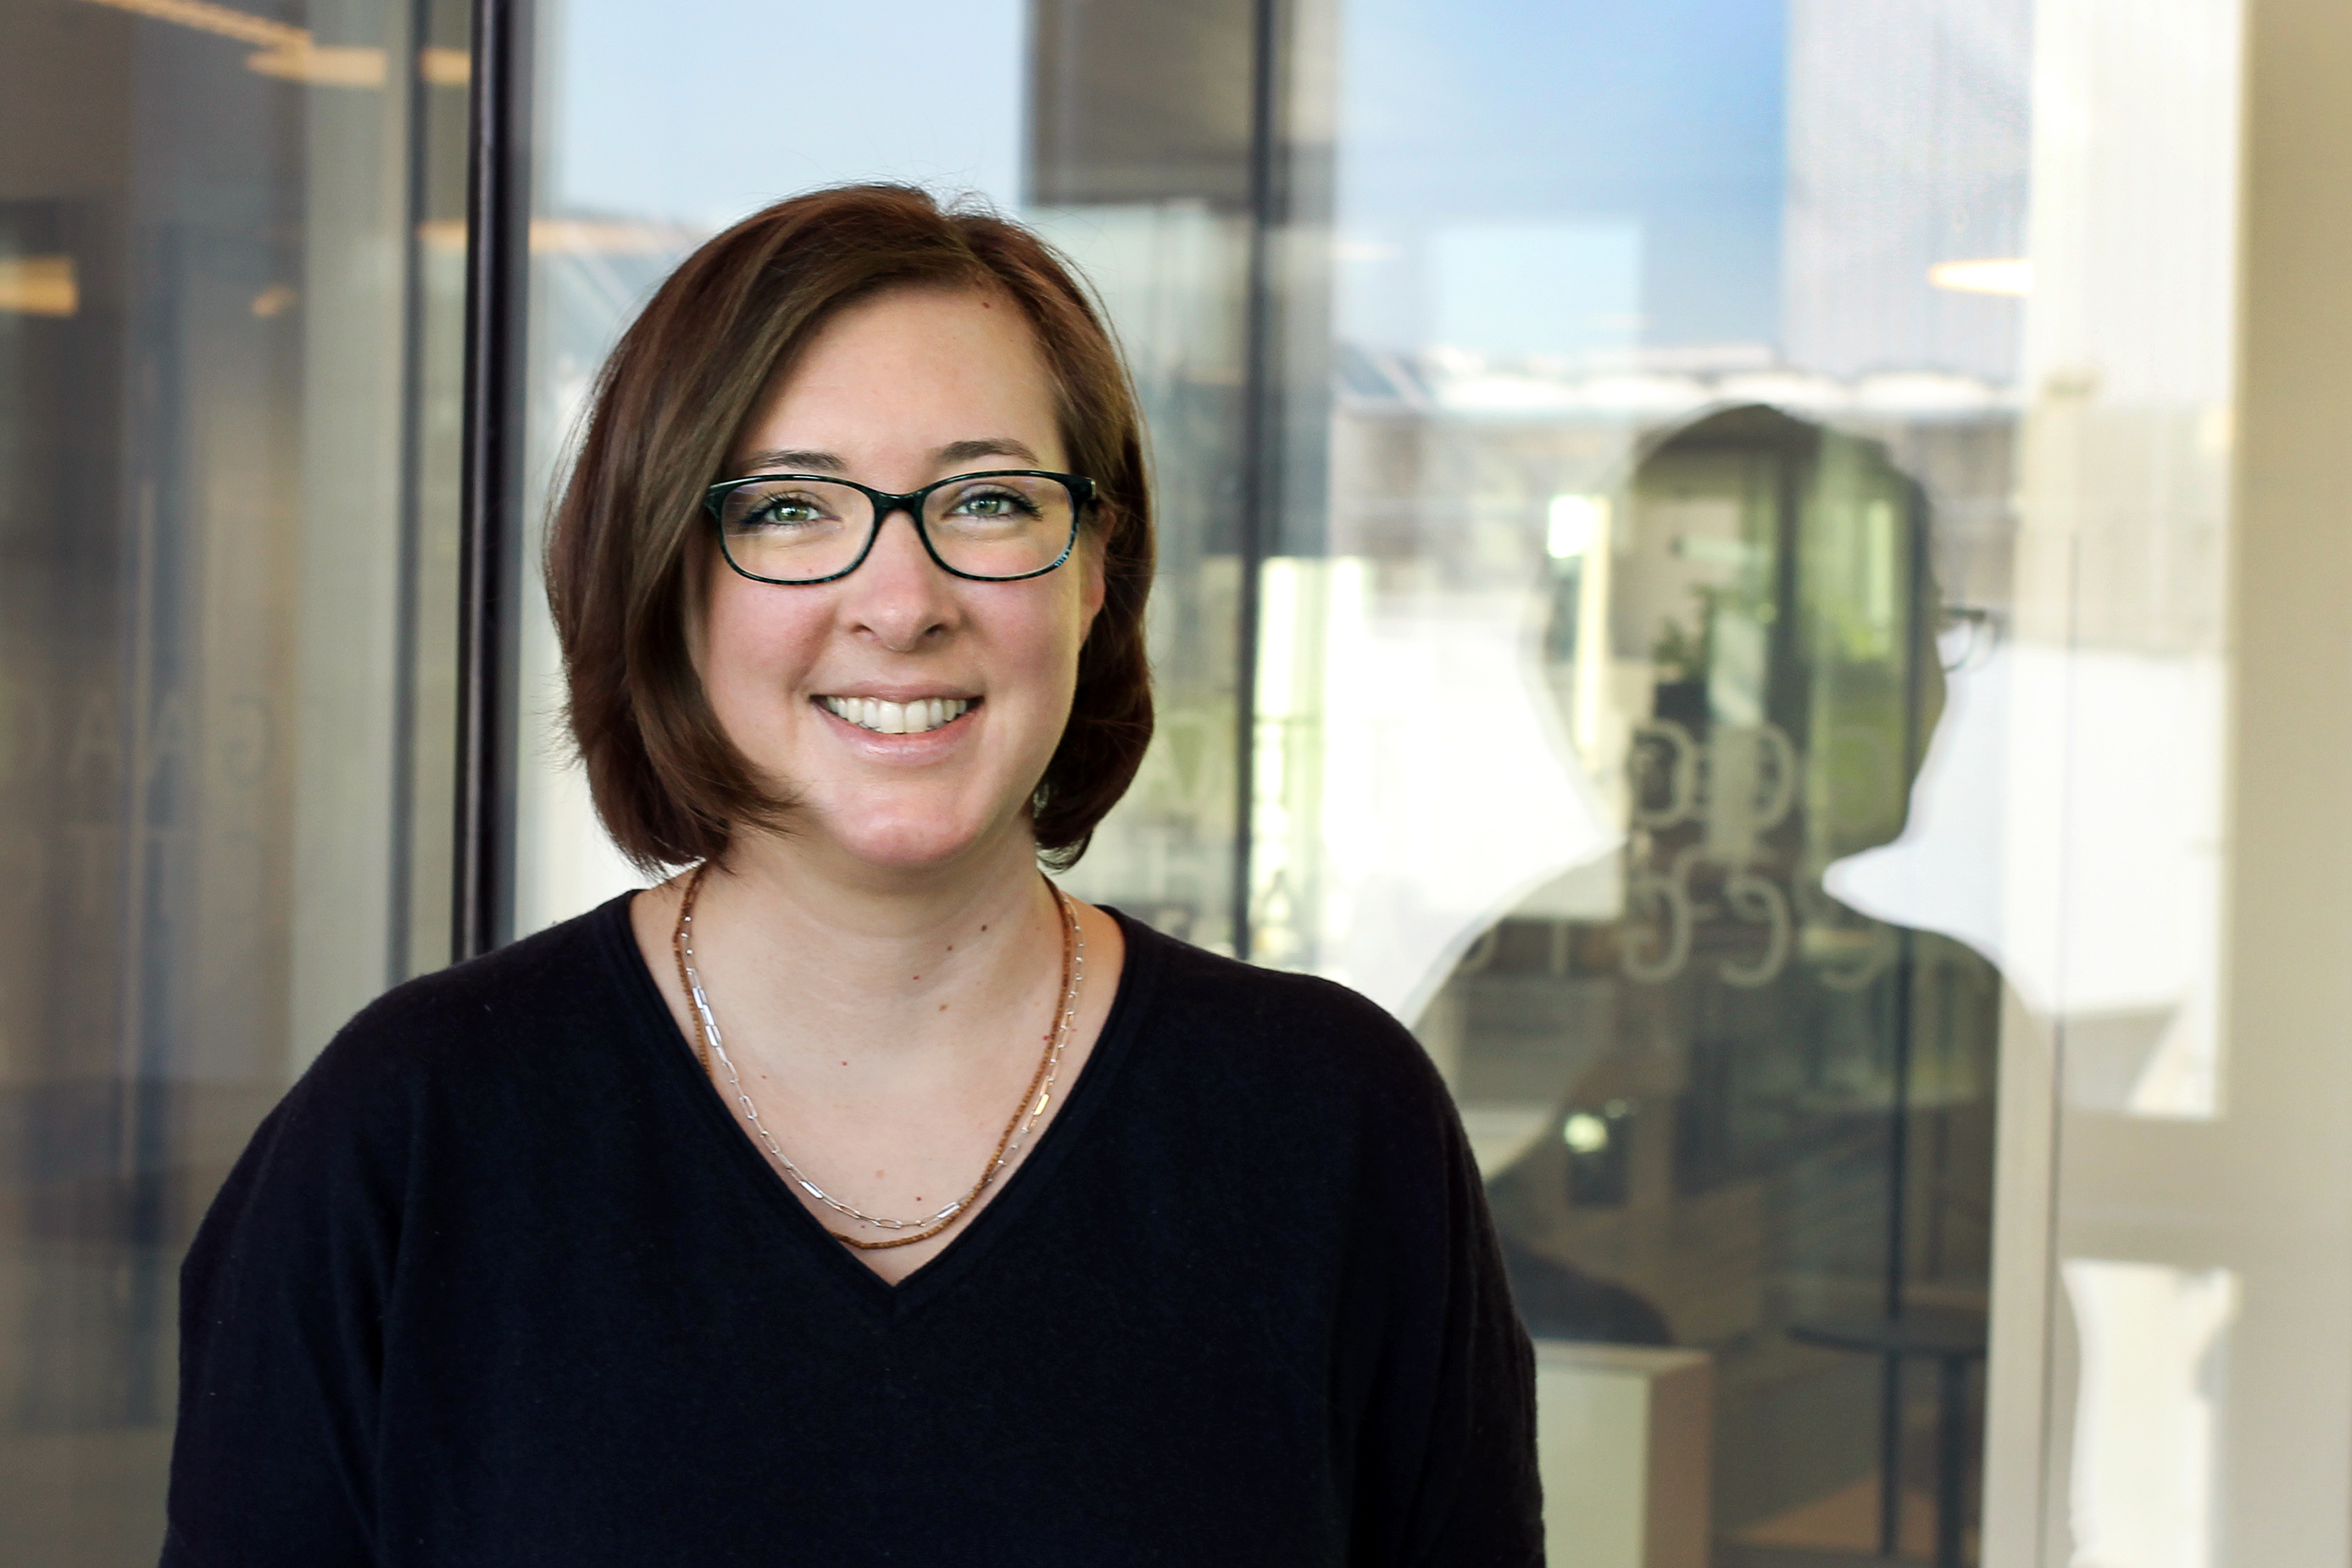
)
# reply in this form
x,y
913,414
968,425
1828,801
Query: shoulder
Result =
x,y
437,1064
1249,1081
539,971
486,1017
1280,1033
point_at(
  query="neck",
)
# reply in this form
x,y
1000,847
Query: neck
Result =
x,y
804,957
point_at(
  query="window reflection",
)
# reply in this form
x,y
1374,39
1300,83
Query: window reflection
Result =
x,y
1672,447
2153,1362
227,416
1734,1110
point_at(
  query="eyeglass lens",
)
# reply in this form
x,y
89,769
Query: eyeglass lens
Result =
x,y
799,531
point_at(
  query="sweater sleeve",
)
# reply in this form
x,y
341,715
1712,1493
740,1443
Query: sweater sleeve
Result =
x,y
281,1311
1447,1476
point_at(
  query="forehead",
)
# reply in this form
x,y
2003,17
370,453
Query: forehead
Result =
x,y
910,369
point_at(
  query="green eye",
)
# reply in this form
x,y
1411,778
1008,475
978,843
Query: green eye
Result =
x,y
994,504
792,509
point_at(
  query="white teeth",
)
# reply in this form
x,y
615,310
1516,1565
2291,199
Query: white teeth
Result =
x,y
885,718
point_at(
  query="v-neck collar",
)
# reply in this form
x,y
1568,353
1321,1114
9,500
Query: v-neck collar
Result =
x,y
675,1065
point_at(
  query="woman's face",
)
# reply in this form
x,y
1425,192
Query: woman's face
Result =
x,y
909,386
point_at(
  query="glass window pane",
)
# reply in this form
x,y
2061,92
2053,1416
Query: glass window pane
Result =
x,y
222,517
1667,474
1778,703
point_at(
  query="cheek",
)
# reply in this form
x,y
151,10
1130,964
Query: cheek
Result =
x,y
752,645
1050,633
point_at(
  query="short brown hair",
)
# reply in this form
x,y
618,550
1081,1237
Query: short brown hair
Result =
x,y
669,785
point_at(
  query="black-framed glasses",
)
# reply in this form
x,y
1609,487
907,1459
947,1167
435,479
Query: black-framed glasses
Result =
x,y
994,527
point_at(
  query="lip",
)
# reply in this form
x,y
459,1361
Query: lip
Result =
x,y
898,694
919,747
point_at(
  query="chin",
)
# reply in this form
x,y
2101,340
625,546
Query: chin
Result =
x,y
910,844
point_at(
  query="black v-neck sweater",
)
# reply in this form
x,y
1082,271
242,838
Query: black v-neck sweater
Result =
x,y
501,1282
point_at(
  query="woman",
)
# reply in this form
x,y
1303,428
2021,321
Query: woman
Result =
x,y
856,1195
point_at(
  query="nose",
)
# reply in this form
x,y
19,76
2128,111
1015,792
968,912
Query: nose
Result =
x,y
898,595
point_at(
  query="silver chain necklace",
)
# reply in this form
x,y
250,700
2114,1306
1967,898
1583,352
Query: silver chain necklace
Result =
x,y
905,1232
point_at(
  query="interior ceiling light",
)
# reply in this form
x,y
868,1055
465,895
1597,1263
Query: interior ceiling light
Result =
x,y
579,237
320,65
2010,275
38,286
290,53
444,67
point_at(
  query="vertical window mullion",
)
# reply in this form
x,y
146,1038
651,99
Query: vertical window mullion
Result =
x,y
497,241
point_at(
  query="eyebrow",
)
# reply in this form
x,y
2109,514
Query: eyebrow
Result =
x,y
807,460
996,446
794,460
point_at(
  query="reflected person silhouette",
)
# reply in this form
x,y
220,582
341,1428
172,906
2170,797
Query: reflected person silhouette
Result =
x,y
1736,1104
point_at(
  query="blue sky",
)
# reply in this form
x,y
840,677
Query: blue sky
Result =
x,y
1666,115
1643,136
699,110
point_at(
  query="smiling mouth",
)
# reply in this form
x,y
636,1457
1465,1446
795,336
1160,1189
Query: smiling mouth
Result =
x,y
918,717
